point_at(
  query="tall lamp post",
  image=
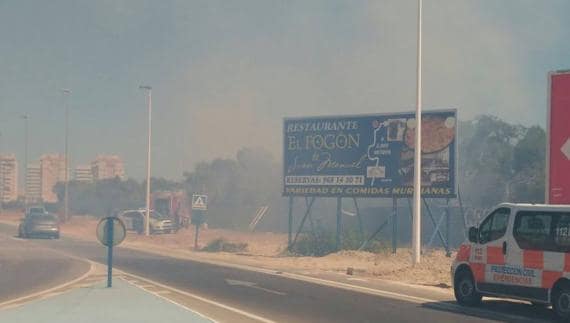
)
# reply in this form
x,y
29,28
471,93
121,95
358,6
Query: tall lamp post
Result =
x,y
1,177
148,90
26,118
416,234
66,93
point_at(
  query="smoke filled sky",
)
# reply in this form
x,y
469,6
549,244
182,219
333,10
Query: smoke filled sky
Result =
x,y
225,73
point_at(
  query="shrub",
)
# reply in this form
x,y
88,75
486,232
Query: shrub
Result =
x,y
222,245
322,243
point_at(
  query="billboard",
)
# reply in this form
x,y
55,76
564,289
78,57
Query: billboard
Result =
x,y
558,146
369,155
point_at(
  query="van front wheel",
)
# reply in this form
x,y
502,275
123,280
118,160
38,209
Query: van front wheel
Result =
x,y
464,289
561,302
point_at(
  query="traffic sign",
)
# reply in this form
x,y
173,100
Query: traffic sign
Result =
x,y
199,202
558,147
110,232
118,231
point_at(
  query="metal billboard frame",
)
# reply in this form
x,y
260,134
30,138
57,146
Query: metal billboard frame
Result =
x,y
393,218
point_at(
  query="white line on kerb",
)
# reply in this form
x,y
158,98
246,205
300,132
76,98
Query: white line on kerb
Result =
x,y
158,294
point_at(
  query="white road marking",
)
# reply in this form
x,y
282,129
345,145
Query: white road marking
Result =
x,y
357,279
159,295
203,299
48,295
232,282
146,286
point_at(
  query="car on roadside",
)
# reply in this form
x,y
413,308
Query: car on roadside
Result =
x,y
39,224
158,223
519,251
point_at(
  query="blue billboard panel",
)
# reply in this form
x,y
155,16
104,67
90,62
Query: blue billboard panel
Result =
x,y
369,155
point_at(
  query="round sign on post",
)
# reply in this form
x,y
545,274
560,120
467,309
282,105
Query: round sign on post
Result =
x,y
118,230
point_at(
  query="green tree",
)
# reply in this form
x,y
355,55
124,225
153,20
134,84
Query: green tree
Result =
x,y
499,162
102,197
528,184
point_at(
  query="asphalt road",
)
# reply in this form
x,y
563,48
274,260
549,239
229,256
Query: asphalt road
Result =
x,y
26,268
283,299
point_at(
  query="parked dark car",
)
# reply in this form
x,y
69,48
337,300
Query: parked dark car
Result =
x,y
39,224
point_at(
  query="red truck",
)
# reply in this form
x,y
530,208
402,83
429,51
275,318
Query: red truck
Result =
x,y
173,204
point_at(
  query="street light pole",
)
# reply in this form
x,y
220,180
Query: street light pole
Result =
x,y
149,102
66,93
416,234
26,118
1,178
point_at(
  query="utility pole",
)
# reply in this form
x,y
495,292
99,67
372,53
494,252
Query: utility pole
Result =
x,y
417,225
2,177
25,117
149,102
66,93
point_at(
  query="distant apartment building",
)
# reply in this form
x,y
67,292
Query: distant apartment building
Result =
x,y
52,169
8,178
83,173
33,183
107,166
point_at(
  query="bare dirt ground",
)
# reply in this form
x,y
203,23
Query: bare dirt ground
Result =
x,y
266,250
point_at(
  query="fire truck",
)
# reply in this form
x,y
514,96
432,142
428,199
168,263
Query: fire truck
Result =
x,y
173,204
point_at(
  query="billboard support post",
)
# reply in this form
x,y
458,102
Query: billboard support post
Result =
x,y
373,235
307,214
360,225
462,214
436,227
394,225
290,236
311,222
447,227
338,223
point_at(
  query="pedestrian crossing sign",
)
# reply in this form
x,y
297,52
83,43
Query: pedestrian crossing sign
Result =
x,y
199,202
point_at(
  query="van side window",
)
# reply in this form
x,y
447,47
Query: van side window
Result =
x,y
540,230
562,233
494,226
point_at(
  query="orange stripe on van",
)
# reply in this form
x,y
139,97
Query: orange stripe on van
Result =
x,y
533,259
495,256
463,253
567,262
478,272
549,278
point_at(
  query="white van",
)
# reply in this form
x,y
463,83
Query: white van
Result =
x,y
519,251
